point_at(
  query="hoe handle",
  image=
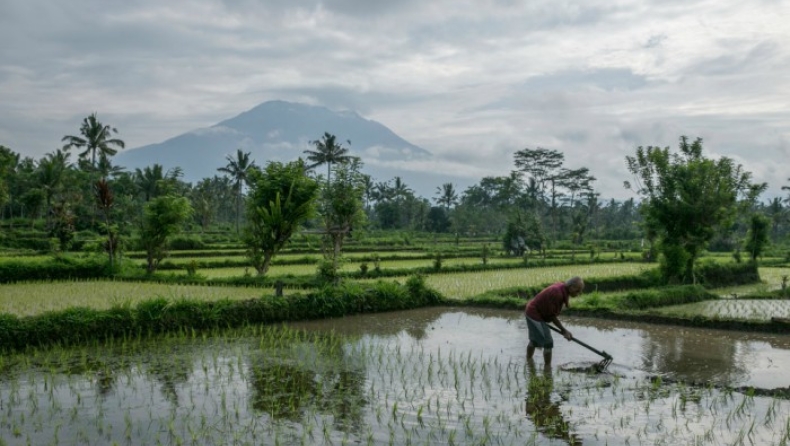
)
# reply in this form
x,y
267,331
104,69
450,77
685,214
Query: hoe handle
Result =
x,y
600,353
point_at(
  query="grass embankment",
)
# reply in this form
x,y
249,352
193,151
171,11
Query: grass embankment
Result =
x,y
159,315
624,290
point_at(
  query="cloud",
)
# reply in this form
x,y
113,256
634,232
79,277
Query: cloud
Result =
x,y
470,81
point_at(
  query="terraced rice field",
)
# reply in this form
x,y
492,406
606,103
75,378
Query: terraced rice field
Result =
x,y
460,285
751,309
25,299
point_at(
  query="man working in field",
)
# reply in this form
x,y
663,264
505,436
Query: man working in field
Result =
x,y
543,309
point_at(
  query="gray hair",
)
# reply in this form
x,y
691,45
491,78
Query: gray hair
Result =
x,y
575,282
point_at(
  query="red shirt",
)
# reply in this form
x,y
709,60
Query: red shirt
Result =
x,y
548,303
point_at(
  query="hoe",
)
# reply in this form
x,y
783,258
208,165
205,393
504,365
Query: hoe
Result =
x,y
599,367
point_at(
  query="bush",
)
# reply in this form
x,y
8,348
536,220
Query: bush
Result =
x,y
674,295
712,274
185,243
78,325
55,268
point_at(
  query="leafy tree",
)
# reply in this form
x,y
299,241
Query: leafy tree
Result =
x,y
204,202
281,198
162,217
238,169
96,138
327,151
342,209
8,164
50,174
437,220
523,233
777,214
757,237
63,225
686,197
105,200
541,164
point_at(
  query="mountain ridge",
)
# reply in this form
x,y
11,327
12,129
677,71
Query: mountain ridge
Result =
x,y
278,130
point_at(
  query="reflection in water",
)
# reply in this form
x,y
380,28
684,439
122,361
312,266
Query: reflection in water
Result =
x,y
317,375
171,372
686,354
544,413
461,380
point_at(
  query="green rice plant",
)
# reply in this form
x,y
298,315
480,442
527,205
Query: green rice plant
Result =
x,y
32,298
463,285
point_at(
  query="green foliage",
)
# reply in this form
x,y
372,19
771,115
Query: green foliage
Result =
x,y
341,208
659,297
162,217
328,272
53,268
523,233
713,274
184,243
757,238
281,198
686,198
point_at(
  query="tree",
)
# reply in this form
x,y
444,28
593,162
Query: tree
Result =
x,y
437,220
523,233
162,217
96,139
50,173
778,215
757,236
8,163
540,164
446,196
239,170
686,197
342,208
153,181
105,200
327,151
281,198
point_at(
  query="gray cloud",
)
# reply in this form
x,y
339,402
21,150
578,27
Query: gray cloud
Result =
x,y
470,81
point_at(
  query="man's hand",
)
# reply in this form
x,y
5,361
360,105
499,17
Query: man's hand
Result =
x,y
567,335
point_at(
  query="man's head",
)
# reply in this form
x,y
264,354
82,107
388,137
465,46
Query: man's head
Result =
x,y
575,286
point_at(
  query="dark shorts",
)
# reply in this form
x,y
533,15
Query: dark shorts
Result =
x,y
539,334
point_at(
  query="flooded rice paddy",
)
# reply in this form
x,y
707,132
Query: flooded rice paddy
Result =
x,y
435,376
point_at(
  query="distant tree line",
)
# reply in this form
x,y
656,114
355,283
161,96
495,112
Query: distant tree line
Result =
x,y
541,202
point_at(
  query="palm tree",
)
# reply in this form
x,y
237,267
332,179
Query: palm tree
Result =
x,y
446,195
49,175
327,151
148,180
238,169
400,190
95,139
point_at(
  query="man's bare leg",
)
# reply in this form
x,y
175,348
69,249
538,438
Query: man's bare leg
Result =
x,y
546,357
530,350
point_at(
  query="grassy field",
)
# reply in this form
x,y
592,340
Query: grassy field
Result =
x,y
460,285
752,310
34,298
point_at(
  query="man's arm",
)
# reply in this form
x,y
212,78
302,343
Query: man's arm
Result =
x,y
567,334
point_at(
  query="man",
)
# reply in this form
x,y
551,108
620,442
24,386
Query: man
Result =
x,y
544,309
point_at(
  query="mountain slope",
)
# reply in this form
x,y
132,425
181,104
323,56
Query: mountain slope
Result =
x,y
276,131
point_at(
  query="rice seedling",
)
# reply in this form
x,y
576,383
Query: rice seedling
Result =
x,y
289,385
469,284
25,299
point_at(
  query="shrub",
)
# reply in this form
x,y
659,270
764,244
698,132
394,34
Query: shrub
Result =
x,y
185,243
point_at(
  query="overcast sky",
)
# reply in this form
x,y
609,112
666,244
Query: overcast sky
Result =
x,y
470,81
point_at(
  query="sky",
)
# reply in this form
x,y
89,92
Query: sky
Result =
x,y
470,81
